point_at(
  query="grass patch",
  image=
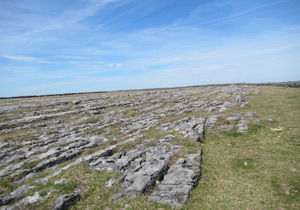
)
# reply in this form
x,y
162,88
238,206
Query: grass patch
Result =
x,y
259,169
5,186
52,131
31,165
66,187
188,147
19,136
232,134
61,144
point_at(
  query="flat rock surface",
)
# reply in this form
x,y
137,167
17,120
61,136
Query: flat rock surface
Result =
x,y
139,134
181,178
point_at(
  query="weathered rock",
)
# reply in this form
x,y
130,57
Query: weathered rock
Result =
x,y
30,199
6,198
65,201
22,204
21,191
226,127
250,114
227,105
181,178
118,161
192,128
61,181
135,124
244,104
236,117
47,131
211,121
243,125
70,154
146,170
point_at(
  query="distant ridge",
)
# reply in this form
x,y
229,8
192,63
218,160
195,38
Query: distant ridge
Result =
x,y
294,84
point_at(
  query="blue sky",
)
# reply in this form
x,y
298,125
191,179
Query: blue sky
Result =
x,y
62,46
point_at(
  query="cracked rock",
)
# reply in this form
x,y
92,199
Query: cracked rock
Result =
x,y
181,178
192,128
65,201
147,169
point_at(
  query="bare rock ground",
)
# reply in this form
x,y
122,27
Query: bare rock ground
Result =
x,y
42,137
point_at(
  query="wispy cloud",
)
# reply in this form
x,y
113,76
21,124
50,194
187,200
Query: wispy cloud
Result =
x,y
214,11
113,44
23,58
27,58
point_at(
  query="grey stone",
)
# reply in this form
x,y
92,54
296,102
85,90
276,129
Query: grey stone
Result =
x,y
136,124
244,104
145,171
239,99
65,201
211,122
181,178
236,117
6,198
70,154
21,191
226,127
61,181
243,125
192,128
250,114
226,106
30,200
61,134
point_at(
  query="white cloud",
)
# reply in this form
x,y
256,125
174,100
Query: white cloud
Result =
x,y
23,58
27,58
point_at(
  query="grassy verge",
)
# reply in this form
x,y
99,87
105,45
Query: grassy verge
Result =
x,y
259,169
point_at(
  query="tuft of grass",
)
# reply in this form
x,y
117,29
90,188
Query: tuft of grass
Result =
x,y
61,144
5,186
65,187
43,193
31,165
233,134
243,164
52,131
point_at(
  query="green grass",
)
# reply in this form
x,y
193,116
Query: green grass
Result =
x,y
52,131
93,131
255,170
19,136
